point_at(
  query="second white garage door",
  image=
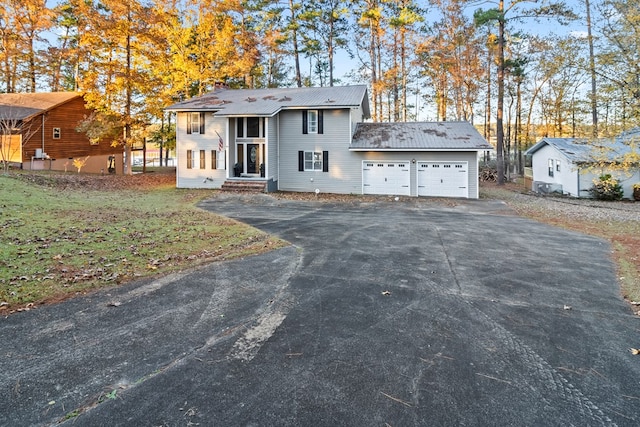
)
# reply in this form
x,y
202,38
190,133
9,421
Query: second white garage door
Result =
x,y
382,177
443,179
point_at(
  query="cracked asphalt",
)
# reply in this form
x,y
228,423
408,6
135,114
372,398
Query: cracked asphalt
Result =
x,y
379,313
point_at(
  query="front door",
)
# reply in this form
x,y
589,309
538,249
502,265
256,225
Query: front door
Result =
x,y
253,158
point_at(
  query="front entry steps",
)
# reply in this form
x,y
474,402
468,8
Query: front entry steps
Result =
x,y
245,185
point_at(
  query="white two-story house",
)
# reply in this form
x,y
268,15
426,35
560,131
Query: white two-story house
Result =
x,y
317,140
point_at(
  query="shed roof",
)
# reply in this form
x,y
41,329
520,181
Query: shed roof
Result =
x,y
580,150
268,102
412,136
22,106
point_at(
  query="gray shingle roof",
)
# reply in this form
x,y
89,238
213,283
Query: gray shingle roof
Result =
x,y
21,106
268,102
579,150
426,136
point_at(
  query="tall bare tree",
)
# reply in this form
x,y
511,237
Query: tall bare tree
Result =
x,y
501,15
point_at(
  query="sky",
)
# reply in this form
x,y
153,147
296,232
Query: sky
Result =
x,y
345,65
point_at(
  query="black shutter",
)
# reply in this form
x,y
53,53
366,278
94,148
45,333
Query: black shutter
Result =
x,y
305,128
300,161
325,161
202,123
320,122
188,122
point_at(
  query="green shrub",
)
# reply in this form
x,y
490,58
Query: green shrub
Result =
x,y
606,188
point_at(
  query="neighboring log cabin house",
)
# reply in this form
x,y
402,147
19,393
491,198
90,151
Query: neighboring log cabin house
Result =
x,y
43,134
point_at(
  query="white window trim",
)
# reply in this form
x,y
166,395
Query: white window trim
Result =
x,y
261,130
195,122
312,121
316,161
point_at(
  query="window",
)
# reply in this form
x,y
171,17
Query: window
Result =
x,y
240,127
550,167
557,165
202,160
312,121
195,123
313,161
250,127
253,127
56,133
189,159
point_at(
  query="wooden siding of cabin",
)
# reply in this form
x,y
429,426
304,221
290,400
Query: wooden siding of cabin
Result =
x,y
71,144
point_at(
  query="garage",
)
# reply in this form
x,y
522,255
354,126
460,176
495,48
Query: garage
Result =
x,y
443,179
386,177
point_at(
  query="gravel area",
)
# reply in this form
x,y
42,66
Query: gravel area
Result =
x,y
585,209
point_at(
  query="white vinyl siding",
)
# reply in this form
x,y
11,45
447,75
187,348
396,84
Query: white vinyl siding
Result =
x,y
195,177
543,163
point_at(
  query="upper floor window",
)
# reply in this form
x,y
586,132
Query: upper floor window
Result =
x,y
56,133
312,121
551,167
250,127
253,127
195,123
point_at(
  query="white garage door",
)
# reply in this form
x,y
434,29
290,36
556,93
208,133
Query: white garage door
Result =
x,y
382,177
443,179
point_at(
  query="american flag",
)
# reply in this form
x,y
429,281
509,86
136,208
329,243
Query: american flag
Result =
x,y
220,142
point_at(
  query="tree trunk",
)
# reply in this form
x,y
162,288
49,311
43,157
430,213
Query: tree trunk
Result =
x,y
500,112
294,38
592,71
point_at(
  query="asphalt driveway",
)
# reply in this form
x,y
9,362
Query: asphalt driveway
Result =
x,y
385,313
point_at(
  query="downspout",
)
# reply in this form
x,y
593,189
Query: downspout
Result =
x,y
578,183
265,160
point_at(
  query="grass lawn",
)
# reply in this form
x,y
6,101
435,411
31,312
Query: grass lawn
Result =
x,y
66,234
624,236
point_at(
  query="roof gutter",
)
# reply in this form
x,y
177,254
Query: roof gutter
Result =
x,y
419,149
